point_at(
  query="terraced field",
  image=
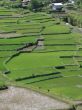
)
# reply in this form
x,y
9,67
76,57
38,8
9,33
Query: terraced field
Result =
x,y
40,52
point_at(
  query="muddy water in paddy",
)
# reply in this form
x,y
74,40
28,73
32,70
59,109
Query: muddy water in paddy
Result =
x,y
23,99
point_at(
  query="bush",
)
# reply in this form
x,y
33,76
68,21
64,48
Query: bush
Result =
x,y
35,5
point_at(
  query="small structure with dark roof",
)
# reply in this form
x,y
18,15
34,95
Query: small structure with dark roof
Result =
x,y
57,6
25,2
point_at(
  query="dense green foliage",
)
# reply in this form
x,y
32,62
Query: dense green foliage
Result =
x,y
76,18
10,3
79,3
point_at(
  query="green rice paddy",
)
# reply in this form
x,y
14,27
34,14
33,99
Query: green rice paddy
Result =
x,y
54,66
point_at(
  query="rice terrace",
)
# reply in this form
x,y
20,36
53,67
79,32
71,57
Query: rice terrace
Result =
x,y
40,60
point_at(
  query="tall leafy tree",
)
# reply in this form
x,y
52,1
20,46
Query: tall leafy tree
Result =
x,y
36,4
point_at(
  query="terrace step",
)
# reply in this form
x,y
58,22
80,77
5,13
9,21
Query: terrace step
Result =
x,y
28,49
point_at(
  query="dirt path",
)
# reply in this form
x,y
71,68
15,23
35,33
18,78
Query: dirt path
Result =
x,y
28,49
22,99
9,35
40,44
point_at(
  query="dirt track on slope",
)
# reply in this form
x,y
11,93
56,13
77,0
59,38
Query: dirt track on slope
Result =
x,y
9,35
23,99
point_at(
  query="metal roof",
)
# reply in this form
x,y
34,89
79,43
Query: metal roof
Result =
x,y
57,4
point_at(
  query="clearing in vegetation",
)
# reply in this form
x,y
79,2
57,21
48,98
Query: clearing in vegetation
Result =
x,y
21,99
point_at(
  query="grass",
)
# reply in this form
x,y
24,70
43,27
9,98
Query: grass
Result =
x,y
3,81
2,60
63,36
61,41
10,47
4,54
57,84
20,40
50,69
60,48
79,53
68,61
56,29
36,66
29,72
2,84
36,60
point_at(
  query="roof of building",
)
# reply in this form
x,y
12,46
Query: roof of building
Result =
x,y
26,0
57,4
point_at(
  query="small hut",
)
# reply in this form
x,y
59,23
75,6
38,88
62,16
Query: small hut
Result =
x,y
57,6
25,2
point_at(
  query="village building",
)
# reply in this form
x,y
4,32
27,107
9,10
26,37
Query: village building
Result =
x,y
25,2
57,6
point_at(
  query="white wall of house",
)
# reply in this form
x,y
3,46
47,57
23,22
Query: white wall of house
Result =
x,y
25,2
56,6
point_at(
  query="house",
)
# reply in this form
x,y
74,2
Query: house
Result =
x,y
57,6
70,4
25,2
71,1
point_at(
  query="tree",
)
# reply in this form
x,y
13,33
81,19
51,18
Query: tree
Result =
x,y
36,5
79,3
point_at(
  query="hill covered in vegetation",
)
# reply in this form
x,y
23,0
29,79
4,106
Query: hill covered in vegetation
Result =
x,y
40,52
